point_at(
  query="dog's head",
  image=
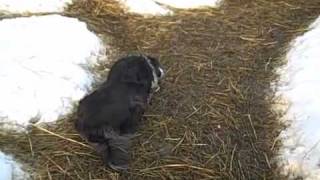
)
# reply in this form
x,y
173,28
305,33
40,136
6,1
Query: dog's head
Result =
x,y
141,70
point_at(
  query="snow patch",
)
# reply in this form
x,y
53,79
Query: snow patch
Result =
x,y
159,7
190,4
33,6
44,62
147,7
10,169
300,154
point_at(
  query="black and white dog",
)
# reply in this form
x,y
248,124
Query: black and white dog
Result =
x,y
109,116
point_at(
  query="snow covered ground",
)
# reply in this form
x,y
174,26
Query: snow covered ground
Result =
x,y
189,4
300,153
34,6
158,7
11,169
145,7
43,70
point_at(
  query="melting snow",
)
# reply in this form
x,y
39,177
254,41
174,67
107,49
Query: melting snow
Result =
x,y
43,67
32,6
158,7
10,169
190,4
300,153
147,7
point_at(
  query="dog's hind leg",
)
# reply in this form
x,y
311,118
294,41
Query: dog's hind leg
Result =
x,y
119,154
118,150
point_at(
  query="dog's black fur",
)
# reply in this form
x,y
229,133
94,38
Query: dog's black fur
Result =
x,y
108,116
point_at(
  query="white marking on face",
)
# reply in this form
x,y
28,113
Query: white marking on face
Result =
x,y
154,83
161,72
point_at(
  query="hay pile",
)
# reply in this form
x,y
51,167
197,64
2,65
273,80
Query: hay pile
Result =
x,y
213,118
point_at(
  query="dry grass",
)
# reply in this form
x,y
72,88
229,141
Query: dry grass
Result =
x,y
213,118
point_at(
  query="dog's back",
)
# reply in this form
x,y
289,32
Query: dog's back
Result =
x,y
111,106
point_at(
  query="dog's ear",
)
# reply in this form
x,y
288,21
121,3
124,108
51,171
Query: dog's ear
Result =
x,y
129,76
134,75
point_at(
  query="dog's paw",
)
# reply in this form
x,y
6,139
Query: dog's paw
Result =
x,y
118,167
